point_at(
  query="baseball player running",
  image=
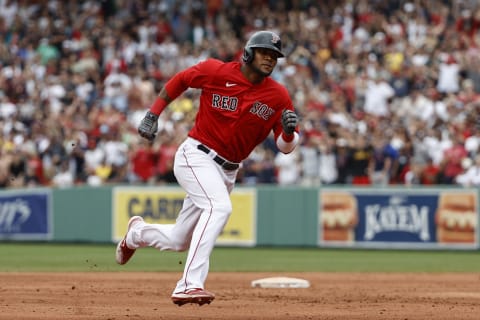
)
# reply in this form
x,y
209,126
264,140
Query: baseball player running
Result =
x,y
239,106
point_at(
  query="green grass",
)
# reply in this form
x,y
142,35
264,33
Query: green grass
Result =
x,y
23,257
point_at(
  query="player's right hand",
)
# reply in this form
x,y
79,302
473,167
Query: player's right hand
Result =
x,y
149,126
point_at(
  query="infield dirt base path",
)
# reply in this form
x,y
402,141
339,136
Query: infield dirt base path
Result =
x,y
127,295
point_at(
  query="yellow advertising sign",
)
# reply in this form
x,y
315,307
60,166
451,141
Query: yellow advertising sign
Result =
x,y
241,228
162,205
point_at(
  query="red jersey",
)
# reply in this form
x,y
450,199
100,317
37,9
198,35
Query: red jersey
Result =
x,y
234,115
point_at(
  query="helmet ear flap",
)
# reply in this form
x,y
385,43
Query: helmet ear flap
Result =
x,y
247,55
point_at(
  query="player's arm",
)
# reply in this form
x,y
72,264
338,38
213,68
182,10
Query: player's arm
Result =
x,y
286,132
173,88
193,77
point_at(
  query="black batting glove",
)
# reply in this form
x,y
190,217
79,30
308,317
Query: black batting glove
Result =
x,y
289,121
149,126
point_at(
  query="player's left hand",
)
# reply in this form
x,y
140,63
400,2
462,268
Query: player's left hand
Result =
x,y
289,121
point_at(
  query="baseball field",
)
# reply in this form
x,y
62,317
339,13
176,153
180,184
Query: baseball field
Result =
x,y
82,281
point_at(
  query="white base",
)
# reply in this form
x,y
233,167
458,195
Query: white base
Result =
x,y
280,282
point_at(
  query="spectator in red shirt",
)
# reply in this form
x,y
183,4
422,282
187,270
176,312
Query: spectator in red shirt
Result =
x,y
430,172
143,161
452,160
165,156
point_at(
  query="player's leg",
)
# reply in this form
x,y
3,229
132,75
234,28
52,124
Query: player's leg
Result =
x,y
208,187
174,237
161,236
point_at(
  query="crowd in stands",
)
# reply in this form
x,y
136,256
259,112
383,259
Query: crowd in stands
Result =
x,y
388,92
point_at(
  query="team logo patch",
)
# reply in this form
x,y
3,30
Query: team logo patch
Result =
x,y
275,38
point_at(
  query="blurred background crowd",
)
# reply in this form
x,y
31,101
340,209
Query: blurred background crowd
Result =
x,y
388,91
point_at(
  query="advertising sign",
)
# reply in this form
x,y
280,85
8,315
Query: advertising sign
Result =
x,y
163,204
399,218
25,215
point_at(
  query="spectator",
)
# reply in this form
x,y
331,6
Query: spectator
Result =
x,y
117,86
470,177
101,174
309,151
64,177
361,161
452,160
143,161
472,142
448,74
328,171
377,96
342,157
413,175
430,173
384,156
267,171
165,155
287,168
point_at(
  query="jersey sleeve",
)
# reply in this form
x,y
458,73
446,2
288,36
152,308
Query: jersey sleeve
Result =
x,y
193,77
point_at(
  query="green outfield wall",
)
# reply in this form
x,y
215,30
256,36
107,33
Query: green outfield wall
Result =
x,y
403,218
82,214
287,216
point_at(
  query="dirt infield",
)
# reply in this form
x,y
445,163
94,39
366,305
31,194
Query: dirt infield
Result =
x,y
126,295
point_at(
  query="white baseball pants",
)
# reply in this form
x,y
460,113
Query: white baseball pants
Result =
x,y
206,209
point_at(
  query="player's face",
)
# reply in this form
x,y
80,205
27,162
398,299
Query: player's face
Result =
x,y
264,61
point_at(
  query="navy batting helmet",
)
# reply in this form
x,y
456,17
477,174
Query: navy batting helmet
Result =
x,y
262,39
